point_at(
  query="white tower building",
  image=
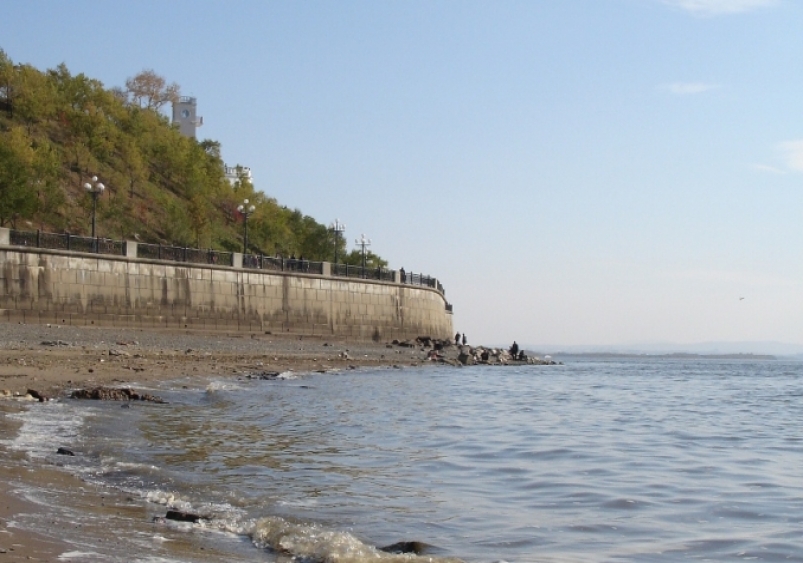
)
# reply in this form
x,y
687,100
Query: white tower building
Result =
x,y
185,114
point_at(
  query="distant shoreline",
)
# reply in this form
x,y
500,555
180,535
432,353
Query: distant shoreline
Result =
x,y
672,356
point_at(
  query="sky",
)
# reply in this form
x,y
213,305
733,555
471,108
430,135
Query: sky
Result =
x,y
575,172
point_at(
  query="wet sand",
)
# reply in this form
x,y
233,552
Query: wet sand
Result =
x,y
54,360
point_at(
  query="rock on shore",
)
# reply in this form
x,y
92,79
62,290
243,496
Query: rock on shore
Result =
x,y
113,394
445,351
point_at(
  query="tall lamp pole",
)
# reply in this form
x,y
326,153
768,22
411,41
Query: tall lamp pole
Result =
x,y
364,243
95,189
338,228
246,210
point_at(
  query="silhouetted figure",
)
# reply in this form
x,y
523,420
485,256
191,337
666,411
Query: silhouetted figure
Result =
x,y
465,340
457,339
514,350
402,275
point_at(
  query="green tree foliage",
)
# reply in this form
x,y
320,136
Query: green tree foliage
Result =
x,y
354,258
17,158
57,130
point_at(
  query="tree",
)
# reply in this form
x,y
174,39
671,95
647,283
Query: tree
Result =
x,y
212,148
6,80
16,167
34,95
132,164
198,212
50,195
149,90
177,229
354,258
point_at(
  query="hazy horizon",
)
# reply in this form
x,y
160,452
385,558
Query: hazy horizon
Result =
x,y
704,348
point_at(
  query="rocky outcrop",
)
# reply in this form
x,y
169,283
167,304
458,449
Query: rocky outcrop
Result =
x,y
270,375
179,516
500,356
113,394
403,547
41,397
445,351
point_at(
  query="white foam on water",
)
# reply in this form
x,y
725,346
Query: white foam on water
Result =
x,y
215,516
299,503
313,543
45,428
171,500
215,386
111,464
287,375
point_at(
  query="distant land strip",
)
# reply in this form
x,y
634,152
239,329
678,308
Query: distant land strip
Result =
x,y
673,356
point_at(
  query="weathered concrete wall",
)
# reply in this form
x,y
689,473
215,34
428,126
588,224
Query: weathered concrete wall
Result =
x,y
48,286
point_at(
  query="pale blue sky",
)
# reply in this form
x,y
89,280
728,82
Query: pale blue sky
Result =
x,y
574,171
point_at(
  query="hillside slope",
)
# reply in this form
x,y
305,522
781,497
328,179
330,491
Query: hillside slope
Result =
x,y
58,130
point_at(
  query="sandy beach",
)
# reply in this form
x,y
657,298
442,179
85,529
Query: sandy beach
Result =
x,y
54,360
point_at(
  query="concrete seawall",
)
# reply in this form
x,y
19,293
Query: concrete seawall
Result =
x,y
74,288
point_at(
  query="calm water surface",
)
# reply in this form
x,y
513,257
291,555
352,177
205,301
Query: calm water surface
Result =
x,y
591,461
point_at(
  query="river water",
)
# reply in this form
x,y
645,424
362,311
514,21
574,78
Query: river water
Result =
x,y
637,460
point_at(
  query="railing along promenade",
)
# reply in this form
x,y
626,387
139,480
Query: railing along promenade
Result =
x,y
189,255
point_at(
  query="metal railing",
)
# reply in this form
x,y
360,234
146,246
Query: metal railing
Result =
x,y
184,254
262,262
303,266
75,243
67,241
420,279
349,271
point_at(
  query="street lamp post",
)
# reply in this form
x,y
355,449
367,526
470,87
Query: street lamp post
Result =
x,y
246,210
363,243
95,189
338,228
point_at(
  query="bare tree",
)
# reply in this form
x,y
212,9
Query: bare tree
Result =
x,y
149,90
